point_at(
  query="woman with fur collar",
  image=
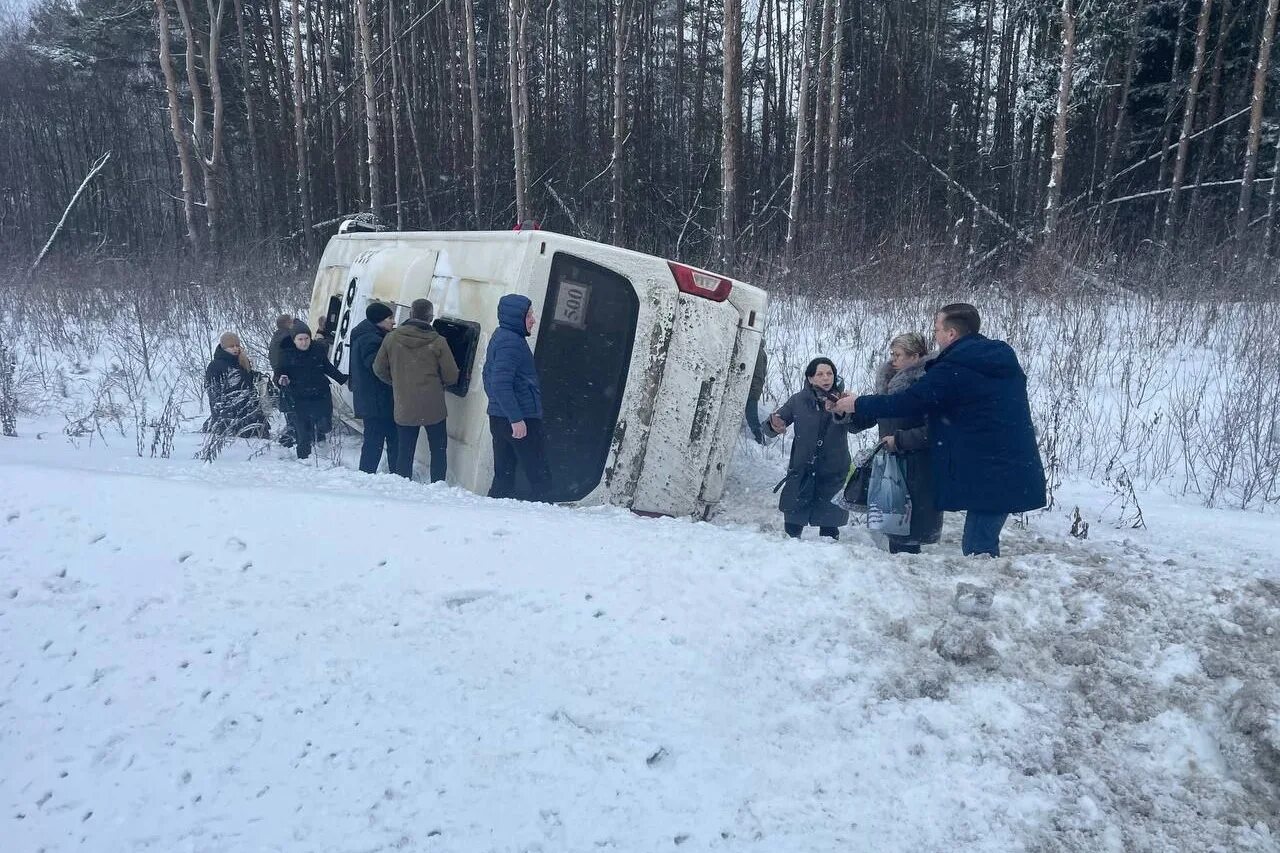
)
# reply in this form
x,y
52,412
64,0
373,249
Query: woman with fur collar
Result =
x,y
908,438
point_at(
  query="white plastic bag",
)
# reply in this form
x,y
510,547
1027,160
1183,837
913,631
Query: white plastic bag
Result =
x,y
888,501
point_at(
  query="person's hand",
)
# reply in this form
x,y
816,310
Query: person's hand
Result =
x,y
843,406
890,443
778,424
282,381
519,430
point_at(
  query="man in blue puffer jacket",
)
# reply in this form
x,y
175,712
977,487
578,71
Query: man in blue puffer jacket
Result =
x,y
515,402
984,454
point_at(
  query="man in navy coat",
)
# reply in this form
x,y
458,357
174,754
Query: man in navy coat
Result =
x,y
984,454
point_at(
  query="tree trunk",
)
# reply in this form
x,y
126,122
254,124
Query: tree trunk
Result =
x,y
515,58
833,110
1255,120
1122,108
621,33
820,103
1060,121
473,85
176,121
1188,121
802,134
300,136
395,114
731,129
370,107
1208,148
1170,101
251,124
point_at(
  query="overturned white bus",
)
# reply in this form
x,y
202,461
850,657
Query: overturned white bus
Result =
x,y
644,363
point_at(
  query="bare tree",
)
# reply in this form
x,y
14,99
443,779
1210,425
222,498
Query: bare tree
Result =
x,y
1254,138
473,89
176,121
300,134
802,133
731,128
833,111
621,33
516,58
370,107
1060,120
1188,119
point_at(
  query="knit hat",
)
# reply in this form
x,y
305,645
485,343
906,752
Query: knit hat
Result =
x,y
377,312
300,328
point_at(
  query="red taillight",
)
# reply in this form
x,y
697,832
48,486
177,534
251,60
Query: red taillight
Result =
x,y
699,283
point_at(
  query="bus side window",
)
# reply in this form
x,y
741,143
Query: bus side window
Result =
x,y
463,337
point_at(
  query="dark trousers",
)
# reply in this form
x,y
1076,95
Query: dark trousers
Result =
x,y
982,532
379,433
304,432
528,452
752,415
437,440
794,531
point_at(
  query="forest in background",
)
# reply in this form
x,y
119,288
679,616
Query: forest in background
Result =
x,y
1136,140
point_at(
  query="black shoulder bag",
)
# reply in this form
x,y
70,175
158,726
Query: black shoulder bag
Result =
x,y
803,490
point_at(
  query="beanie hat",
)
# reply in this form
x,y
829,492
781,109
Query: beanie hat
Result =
x,y
377,312
300,328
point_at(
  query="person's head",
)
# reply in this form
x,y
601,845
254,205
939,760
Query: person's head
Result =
x,y
906,350
423,310
381,315
821,373
955,321
301,336
284,323
515,313
230,343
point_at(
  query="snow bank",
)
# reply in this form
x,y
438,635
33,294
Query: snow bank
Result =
x,y
262,654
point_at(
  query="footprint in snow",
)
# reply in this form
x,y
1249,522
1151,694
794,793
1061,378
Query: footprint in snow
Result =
x,y
235,543
98,537
461,599
13,516
184,556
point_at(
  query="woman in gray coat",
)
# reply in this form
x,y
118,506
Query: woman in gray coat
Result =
x,y
908,438
820,459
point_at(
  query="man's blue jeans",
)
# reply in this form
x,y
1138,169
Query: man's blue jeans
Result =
x,y
982,532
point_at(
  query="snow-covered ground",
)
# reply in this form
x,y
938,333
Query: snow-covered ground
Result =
x,y
261,654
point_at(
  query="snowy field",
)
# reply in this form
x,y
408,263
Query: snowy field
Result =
x,y
265,655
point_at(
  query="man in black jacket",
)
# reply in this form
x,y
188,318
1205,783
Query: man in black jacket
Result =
x,y
374,404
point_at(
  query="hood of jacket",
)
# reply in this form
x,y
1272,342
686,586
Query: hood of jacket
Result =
x,y
219,354
364,329
415,334
512,309
994,359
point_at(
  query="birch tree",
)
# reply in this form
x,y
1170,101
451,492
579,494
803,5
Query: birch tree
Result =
x,y
731,128
1060,120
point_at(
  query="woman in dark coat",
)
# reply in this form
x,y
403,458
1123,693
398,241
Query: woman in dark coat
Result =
x,y
819,441
908,438
303,376
234,407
